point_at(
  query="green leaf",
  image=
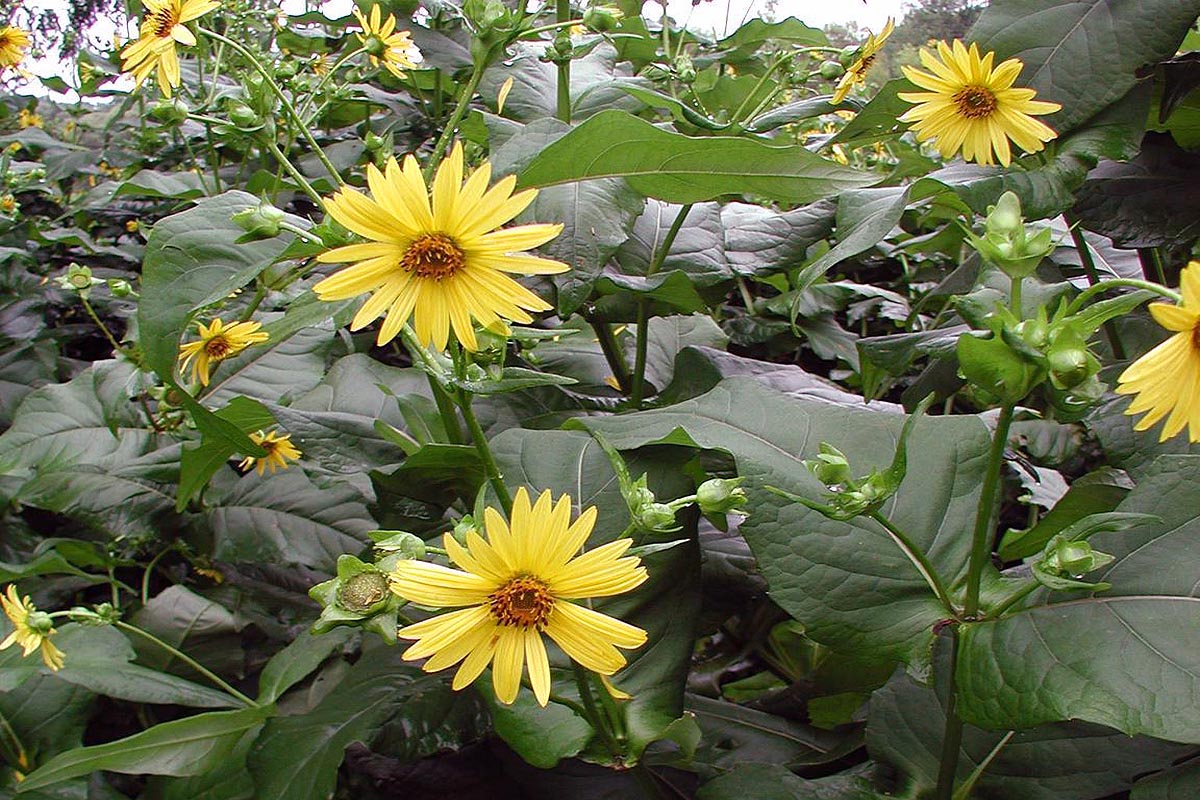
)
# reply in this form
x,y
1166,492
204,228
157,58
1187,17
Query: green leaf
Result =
x,y
1128,658
514,379
200,462
828,576
192,261
1085,54
149,183
864,218
297,661
297,757
194,624
735,734
759,241
771,782
286,519
1178,783
188,746
1093,493
668,336
682,169
878,118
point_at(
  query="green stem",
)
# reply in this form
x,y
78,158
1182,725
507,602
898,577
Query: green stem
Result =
x,y
91,312
952,733
191,662
298,231
919,560
551,27
985,513
563,13
637,387
297,176
11,746
283,100
592,712
460,111
1152,257
1089,269
1014,300
612,353
332,71
964,791
445,407
1112,283
490,467
569,703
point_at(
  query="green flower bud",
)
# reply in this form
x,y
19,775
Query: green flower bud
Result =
x,y
121,288
1034,332
374,141
170,112
720,495
830,466
359,595
40,622
243,115
464,526
78,278
401,543
993,367
832,70
849,55
655,517
363,592
1004,219
285,69
684,69
259,222
601,19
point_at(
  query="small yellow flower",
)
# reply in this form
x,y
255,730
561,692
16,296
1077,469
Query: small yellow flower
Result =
x,y
217,343
162,27
8,204
1167,379
132,226
857,72
319,64
31,628
29,119
280,451
384,43
973,107
14,42
441,263
513,587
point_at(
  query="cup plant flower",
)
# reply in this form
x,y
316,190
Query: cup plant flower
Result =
x,y
856,73
280,451
218,342
14,43
32,629
163,26
384,44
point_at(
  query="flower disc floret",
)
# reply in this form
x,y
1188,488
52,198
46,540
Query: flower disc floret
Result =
x,y
1166,380
972,106
438,260
163,26
513,587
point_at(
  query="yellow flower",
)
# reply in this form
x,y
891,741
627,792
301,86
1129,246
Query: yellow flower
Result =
x,y
132,226
31,628
973,106
154,49
515,586
280,451
8,204
13,44
384,43
1167,379
29,119
857,73
441,262
217,343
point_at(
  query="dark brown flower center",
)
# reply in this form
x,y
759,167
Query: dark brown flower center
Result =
x,y
1196,336
865,65
522,602
162,21
434,255
975,102
217,348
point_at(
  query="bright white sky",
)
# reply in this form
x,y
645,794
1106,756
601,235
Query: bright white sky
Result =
x,y
721,16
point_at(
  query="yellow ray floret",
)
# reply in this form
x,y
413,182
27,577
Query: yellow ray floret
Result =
x,y
218,342
438,260
857,72
161,29
516,585
31,628
972,106
14,42
1166,380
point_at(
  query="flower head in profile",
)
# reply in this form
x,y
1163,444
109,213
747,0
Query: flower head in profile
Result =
x,y
31,628
856,73
973,106
154,49
280,451
513,587
384,43
14,42
1166,380
218,342
440,260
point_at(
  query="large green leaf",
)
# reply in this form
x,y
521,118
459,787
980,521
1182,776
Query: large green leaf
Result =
x,y
1174,784
1128,658
1063,761
193,260
188,746
759,241
665,606
864,218
845,581
297,757
1084,54
683,169
194,624
771,782
297,661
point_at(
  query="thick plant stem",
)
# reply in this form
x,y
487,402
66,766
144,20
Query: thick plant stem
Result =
x,y
490,467
1089,269
445,407
597,720
283,100
638,384
985,513
460,111
191,662
563,14
91,312
612,353
952,733
919,560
